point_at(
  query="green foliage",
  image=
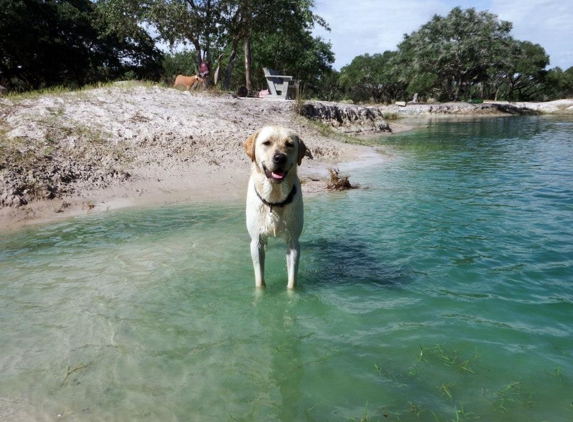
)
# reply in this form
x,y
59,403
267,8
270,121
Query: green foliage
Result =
x,y
328,87
567,83
559,83
284,42
278,34
47,43
466,55
181,63
460,48
373,78
525,78
523,74
299,54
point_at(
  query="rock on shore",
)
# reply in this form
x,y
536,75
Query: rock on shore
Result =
x,y
483,109
350,119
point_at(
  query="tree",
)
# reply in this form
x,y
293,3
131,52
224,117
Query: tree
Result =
x,y
567,83
460,49
521,74
240,17
559,83
245,20
526,71
221,25
372,78
298,54
328,87
174,21
51,42
180,63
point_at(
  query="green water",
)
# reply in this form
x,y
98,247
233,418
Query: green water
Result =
x,y
443,291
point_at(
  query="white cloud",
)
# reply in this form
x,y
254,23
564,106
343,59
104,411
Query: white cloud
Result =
x,y
548,23
370,26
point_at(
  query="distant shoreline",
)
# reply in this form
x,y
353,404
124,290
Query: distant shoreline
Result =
x,y
480,109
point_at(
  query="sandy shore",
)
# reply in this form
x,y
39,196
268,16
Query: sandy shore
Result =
x,y
132,145
157,185
144,146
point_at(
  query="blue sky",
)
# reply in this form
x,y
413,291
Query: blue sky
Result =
x,y
374,26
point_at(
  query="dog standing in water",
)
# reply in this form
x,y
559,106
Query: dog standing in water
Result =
x,y
274,196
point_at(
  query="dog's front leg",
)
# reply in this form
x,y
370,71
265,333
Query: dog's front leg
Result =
x,y
258,256
292,258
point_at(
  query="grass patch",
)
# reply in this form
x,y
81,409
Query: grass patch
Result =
x,y
455,359
58,163
63,90
443,378
513,394
71,370
298,101
329,132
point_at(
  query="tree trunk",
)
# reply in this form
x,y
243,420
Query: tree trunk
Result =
x,y
248,83
207,51
198,55
207,60
230,65
217,74
458,89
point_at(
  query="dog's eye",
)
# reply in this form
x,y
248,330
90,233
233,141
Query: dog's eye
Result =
x,y
267,143
289,145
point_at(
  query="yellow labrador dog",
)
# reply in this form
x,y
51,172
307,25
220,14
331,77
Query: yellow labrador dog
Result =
x,y
274,196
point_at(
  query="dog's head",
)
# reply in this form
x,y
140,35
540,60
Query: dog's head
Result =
x,y
276,151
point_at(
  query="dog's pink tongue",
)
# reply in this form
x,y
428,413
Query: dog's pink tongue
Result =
x,y
279,175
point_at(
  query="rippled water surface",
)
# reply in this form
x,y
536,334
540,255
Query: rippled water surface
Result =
x,y
442,292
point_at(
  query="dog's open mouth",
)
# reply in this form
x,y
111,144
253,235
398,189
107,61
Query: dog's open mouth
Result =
x,y
275,175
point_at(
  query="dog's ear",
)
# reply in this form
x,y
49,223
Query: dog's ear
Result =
x,y
302,151
250,145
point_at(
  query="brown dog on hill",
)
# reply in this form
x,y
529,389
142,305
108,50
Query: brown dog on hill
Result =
x,y
188,81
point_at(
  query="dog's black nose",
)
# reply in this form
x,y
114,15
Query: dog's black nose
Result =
x,y
280,158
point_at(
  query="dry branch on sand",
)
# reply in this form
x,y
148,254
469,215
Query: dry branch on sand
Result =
x,y
338,181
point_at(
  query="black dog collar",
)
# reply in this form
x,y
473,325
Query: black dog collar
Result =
x,y
287,201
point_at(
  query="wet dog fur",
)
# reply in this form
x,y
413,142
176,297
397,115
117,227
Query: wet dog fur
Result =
x,y
274,197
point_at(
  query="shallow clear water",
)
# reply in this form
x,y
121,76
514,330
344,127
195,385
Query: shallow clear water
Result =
x,y
443,291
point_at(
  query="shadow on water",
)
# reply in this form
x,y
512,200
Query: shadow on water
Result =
x,y
349,262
